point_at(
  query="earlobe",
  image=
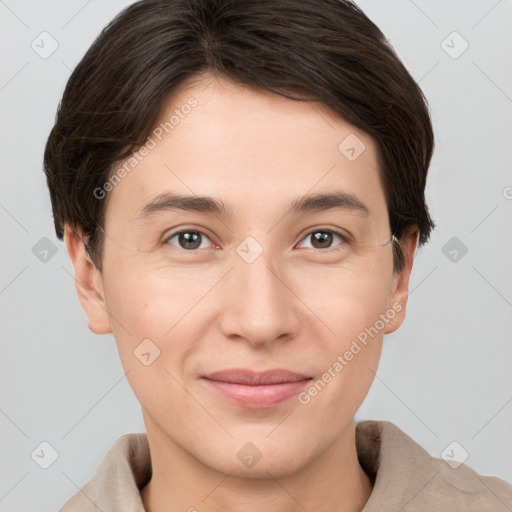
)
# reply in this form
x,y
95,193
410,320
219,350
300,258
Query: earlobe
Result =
x,y
89,283
398,299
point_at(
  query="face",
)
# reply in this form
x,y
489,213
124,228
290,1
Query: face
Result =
x,y
272,281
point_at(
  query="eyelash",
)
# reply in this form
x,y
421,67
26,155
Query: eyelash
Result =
x,y
344,239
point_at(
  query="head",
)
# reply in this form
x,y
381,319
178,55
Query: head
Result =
x,y
275,110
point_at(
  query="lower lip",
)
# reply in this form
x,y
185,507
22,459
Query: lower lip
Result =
x,y
257,397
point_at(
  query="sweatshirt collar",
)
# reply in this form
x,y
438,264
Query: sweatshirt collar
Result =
x,y
398,467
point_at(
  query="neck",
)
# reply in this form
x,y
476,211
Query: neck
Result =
x,y
334,481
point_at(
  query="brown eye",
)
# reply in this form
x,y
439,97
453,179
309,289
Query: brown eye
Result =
x,y
323,238
188,240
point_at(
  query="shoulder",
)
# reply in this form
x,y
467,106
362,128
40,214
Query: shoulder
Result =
x,y
408,478
460,486
123,470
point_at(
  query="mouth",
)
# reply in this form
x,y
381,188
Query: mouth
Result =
x,y
256,390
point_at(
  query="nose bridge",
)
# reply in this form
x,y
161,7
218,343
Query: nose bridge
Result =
x,y
259,306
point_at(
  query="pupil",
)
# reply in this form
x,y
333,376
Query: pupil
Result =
x,y
323,238
189,240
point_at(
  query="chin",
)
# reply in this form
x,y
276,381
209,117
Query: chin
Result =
x,y
268,461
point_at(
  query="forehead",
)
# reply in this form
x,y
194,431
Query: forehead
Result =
x,y
253,150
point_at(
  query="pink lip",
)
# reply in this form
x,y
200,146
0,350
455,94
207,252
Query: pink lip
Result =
x,y
256,390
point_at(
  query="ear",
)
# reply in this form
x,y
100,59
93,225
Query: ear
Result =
x,y
400,291
89,283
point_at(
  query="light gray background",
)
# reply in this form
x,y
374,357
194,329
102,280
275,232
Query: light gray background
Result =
x,y
444,376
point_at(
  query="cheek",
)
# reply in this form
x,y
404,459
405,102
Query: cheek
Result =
x,y
346,303
154,302
351,356
145,314
150,296
353,314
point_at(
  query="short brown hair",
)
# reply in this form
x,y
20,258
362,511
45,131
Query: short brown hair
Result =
x,y
322,50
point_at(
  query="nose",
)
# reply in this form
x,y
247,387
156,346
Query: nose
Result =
x,y
260,306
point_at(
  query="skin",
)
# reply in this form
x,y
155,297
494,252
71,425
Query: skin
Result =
x,y
291,308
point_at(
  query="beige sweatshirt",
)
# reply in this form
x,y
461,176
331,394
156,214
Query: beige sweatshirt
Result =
x,y
406,478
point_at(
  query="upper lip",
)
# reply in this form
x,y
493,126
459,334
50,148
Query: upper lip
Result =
x,y
253,378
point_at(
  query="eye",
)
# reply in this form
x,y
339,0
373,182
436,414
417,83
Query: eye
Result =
x,y
323,238
188,240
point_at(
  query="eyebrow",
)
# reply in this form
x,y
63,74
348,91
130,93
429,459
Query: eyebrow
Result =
x,y
328,200
205,204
